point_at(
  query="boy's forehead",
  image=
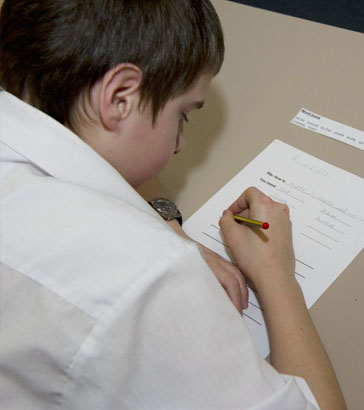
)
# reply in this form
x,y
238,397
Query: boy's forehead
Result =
x,y
204,82
197,92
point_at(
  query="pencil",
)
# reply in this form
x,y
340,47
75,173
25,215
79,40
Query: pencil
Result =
x,y
259,224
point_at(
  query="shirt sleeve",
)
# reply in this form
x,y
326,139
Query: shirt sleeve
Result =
x,y
174,341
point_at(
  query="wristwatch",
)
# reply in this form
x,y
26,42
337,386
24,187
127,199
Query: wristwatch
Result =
x,y
166,209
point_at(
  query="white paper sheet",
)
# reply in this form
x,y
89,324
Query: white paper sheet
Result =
x,y
327,213
333,129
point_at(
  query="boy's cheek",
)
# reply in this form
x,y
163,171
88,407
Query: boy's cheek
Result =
x,y
152,167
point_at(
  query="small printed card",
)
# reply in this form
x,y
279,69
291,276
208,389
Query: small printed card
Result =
x,y
333,129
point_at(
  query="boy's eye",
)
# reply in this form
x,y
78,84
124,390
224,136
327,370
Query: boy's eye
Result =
x,y
184,116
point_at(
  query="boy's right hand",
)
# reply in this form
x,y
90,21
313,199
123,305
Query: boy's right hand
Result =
x,y
260,254
266,257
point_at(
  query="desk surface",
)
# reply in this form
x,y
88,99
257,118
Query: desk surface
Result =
x,y
274,66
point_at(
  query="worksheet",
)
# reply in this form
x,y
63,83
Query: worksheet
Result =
x,y
327,213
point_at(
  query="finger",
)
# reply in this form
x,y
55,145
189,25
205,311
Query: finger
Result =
x,y
232,288
227,221
234,270
245,294
243,286
234,233
225,273
245,200
244,214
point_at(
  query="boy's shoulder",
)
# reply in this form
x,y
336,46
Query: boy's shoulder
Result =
x,y
83,243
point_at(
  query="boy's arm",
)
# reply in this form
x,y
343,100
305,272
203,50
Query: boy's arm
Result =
x,y
267,259
229,275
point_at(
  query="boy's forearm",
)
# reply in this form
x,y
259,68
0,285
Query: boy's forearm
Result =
x,y
296,347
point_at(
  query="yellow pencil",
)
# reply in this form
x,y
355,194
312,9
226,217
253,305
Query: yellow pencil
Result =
x,y
263,225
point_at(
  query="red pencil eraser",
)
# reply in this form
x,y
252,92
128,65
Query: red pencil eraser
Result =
x,y
265,225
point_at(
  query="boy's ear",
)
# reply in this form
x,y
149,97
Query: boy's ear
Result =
x,y
119,94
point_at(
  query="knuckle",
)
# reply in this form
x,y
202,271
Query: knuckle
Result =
x,y
266,201
285,209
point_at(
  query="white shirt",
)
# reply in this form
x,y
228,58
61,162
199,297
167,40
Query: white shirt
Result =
x,y
103,306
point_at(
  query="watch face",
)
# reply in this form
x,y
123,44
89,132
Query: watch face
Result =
x,y
166,208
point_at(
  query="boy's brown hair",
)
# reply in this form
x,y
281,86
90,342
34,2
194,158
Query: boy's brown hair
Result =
x,y
53,50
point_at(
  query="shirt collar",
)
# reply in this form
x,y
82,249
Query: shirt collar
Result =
x,y
59,152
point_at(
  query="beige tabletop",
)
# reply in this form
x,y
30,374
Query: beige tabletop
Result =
x,y
274,66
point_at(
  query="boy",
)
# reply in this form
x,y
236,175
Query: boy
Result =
x,y
104,306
